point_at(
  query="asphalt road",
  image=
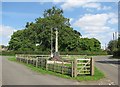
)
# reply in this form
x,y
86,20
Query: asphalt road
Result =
x,y
108,66
17,74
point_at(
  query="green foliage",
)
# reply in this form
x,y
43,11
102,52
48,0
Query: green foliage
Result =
x,y
7,53
116,53
112,46
89,44
13,53
91,53
3,46
39,32
119,42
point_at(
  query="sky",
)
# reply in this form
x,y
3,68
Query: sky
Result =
x,y
92,19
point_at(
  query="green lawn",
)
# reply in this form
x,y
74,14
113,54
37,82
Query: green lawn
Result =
x,y
98,74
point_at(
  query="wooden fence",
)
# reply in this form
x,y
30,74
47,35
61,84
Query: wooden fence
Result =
x,y
73,67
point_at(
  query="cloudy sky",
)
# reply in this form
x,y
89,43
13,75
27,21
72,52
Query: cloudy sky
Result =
x,y
91,19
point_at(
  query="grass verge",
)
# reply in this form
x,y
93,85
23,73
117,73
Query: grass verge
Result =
x,y
97,76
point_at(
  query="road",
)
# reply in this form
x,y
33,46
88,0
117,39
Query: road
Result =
x,y
17,74
108,66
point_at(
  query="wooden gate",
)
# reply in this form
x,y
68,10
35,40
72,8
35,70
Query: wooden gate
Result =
x,y
83,66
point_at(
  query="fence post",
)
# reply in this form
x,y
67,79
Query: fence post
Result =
x,y
62,66
16,57
92,66
20,58
37,62
27,59
72,69
30,59
54,66
75,67
46,64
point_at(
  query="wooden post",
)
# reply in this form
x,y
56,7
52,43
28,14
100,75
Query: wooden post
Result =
x,y
75,67
37,62
27,59
54,66
62,67
20,59
72,69
16,57
92,67
46,64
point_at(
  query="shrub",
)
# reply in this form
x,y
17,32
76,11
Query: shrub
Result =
x,y
12,53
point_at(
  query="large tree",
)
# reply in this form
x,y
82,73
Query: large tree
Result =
x,y
39,32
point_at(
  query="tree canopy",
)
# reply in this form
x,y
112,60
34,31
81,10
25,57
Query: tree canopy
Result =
x,y
39,32
114,47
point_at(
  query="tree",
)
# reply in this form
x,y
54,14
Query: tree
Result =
x,y
112,45
27,25
77,33
39,32
116,53
118,42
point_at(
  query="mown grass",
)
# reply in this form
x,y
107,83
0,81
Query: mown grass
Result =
x,y
97,76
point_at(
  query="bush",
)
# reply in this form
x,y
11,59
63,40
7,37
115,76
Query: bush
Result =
x,y
7,53
84,53
116,53
12,53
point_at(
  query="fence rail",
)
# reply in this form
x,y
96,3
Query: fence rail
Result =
x,y
73,67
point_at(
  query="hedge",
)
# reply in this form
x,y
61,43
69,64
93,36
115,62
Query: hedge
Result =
x,y
116,53
12,53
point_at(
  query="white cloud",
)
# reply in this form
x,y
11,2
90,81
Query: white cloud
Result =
x,y
113,21
69,5
95,21
57,1
6,32
103,37
89,20
114,18
113,15
107,8
71,20
72,4
89,10
92,5
96,25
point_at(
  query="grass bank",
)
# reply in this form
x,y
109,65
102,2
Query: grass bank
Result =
x,y
97,76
